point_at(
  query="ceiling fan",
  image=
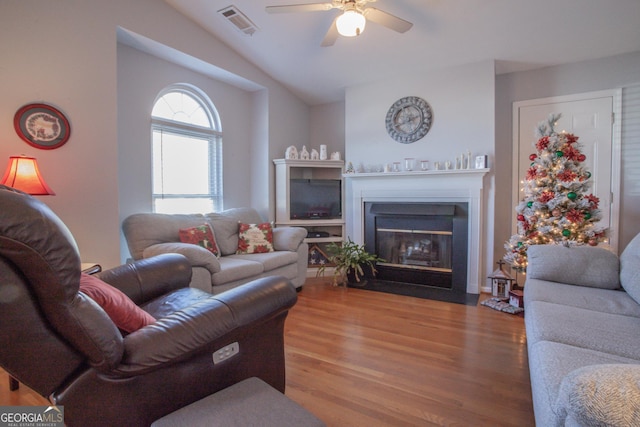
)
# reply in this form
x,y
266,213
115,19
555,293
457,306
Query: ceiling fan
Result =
x,y
351,21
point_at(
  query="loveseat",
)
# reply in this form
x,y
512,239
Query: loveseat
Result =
x,y
582,318
150,234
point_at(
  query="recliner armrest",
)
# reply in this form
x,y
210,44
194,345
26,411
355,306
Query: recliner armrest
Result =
x,y
149,278
195,328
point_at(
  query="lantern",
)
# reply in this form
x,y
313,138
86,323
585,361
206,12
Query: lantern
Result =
x,y
501,282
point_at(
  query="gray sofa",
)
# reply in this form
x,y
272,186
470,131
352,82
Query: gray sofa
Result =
x,y
150,234
582,318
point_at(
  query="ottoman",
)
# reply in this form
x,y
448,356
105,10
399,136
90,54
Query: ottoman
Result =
x,y
251,402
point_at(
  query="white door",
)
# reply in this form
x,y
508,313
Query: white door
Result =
x,y
590,117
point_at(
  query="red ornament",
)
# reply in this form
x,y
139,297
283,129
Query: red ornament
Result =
x,y
582,158
593,200
520,217
533,156
593,242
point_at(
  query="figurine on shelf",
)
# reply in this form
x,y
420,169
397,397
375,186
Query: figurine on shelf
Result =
x,y
304,154
291,153
314,154
335,155
323,152
349,168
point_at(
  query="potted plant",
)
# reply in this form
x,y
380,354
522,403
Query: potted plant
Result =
x,y
349,258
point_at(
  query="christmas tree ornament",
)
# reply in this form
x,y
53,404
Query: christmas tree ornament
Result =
x,y
559,153
571,195
533,156
566,233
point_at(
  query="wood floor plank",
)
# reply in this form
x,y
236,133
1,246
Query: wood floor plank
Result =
x,y
362,358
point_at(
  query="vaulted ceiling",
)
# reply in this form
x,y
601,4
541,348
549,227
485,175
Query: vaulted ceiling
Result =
x,y
517,34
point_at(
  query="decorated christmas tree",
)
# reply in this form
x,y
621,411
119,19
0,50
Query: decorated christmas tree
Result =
x,y
556,208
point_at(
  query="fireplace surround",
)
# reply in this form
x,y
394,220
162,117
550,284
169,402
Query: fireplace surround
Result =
x,y
423,244
459,188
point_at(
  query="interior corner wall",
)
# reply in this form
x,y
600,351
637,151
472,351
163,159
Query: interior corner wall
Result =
x,y
65,53
327,126
463,102
141,77
613,72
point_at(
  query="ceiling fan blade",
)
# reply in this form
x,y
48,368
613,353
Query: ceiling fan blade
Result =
x,y
331,36
309,7
388,20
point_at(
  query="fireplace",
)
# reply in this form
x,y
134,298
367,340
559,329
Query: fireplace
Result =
x,y
459,193
423,244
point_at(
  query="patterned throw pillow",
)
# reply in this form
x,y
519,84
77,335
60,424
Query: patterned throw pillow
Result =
x,y
255,238
201,235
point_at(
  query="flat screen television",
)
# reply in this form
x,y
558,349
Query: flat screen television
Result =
x,y
315,199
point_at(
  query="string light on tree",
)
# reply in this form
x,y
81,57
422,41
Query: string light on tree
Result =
x,y
556,207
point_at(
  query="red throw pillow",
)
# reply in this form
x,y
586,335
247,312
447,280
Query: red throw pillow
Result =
x,y
123,312
201,235
255,238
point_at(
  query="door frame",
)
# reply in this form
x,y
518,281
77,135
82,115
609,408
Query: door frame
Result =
x,y
616,148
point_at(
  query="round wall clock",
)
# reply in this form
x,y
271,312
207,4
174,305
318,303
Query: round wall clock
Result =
x,y
409,119
42,126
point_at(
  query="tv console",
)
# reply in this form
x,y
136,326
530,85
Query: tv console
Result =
x,y
321,230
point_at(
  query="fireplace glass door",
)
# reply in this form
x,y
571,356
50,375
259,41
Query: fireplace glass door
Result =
x,y
416,249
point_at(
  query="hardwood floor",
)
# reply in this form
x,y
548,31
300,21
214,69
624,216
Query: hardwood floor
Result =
x,y
362,358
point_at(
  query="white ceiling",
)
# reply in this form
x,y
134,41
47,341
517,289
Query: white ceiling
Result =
x,y
518,34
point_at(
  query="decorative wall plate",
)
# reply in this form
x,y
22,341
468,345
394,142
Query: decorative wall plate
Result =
x,y
409,119
42,126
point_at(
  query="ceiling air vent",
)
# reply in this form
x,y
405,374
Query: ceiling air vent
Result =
x,y
239,20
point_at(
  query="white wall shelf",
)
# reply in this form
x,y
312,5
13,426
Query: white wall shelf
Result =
x,y
286,170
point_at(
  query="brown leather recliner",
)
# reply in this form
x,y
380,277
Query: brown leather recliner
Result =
x,y
60,343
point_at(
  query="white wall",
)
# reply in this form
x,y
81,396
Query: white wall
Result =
x,y
462,100
326,126
588,76
140,78
65,53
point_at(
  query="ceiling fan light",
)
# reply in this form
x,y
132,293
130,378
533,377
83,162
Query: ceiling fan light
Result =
x,y
351,23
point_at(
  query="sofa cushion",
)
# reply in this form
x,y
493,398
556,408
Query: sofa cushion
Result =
x,y
270,260
226,232
579,265
599,395
604,300
123,312
201,235
604,332
255,238
236,268
630,268
549,364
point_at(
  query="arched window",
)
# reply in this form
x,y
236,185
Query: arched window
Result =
x,y
186,152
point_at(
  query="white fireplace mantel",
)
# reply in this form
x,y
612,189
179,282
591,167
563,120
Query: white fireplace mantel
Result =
x,y
464,185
